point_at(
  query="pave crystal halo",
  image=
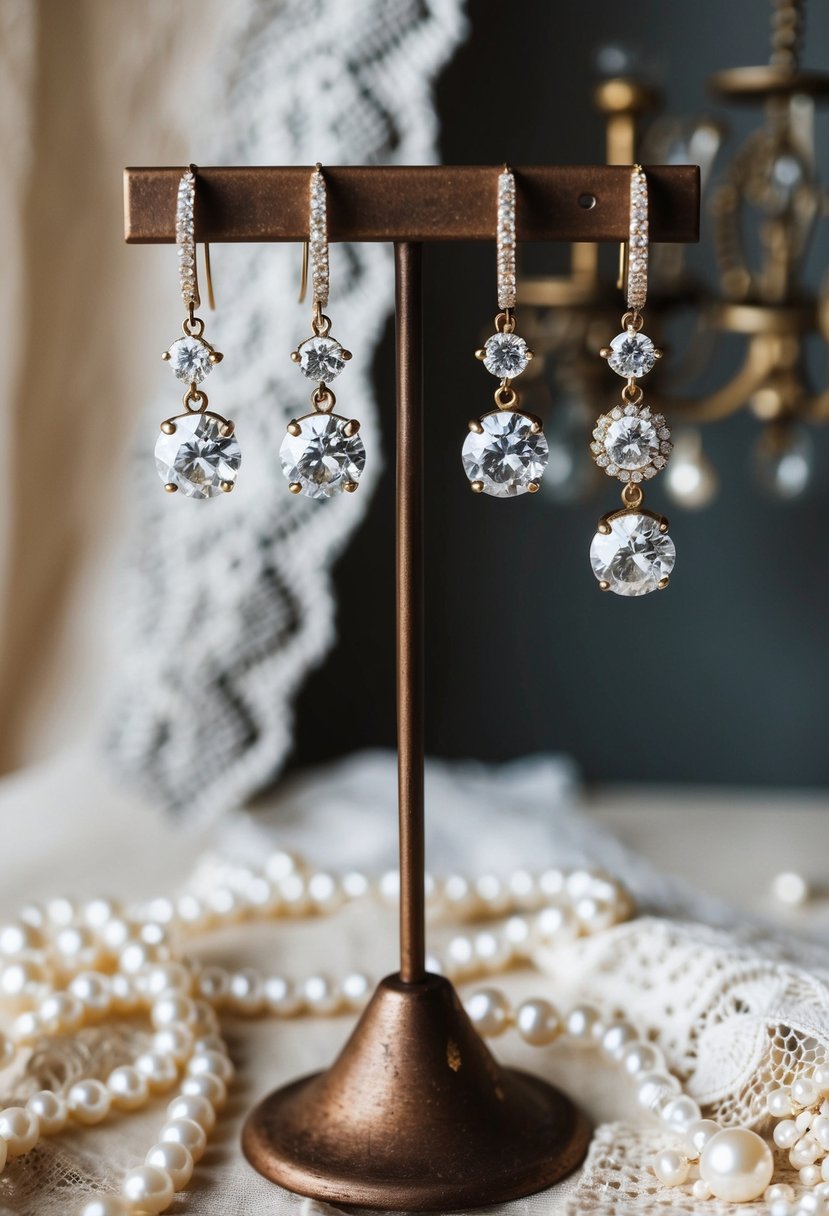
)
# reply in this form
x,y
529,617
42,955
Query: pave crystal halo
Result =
x,y
198,454
322,455
505,454
631,443
631,553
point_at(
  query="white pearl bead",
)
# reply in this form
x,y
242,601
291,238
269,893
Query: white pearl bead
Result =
x,y
778,1190
810,1175
97,912
246,995
116,934
172,1010
517,934
489,1011
638,1058
671,1167
212,1062
26,1028
805,1152
191,1106
18,939
107,1205
820,1130
77,947
698,1134
459,896
701,1190
594,915
491,951
61,1013
821,1078
160,1071
804,1091
785,1133
790,888
192,913
175,1160
185,1131
492,892
325,893
461,954
206,1085
123,993
538,1022
61,911
213,984
92,989
210,1042
89,1101
321,995
20,1130
652,1087
148,1189
356,989
280,864
551,883
21,980
555,924
803,1121
737,1164
205,1019
167,979
522,887
281,997
779,1102
355,885
680,1112
175,1041
129,1088
583,1024
294,895
617,1037
50,1110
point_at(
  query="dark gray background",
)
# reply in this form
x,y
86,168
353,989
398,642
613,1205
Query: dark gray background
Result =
x,y
721,679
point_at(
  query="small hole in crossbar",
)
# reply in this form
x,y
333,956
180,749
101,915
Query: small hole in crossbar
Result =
x,y
586,201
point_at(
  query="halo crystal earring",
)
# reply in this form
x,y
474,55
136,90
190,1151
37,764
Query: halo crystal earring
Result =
x,y
197,452
322,453
632,553
505,452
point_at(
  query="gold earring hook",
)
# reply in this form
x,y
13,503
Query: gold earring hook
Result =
x,y
303,287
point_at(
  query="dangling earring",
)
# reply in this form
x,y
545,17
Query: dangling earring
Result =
x,y
322,454
505,452
197,451
632,553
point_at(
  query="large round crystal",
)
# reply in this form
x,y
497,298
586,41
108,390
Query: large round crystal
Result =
x,y
197,458
507,455
190,359
634,556
321,359
631,442
322,459
506,355
633,355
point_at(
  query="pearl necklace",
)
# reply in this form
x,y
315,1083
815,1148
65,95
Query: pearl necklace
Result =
x,y
65,965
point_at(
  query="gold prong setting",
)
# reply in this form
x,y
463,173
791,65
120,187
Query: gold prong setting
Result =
x,y
322,454
191,359
197,452
632,553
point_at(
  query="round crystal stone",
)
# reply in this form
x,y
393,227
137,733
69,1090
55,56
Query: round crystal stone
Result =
x,y
190,360
506,355
633,355
321,358
507,455
197,458
634,556
631,442
322,459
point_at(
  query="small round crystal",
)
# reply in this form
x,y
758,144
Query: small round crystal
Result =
x,y
632,442
632,355
190,359
507,455
506,355
634,556
321,359
322,459
197,458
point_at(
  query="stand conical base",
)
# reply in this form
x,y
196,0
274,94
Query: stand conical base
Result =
x,y
415,1114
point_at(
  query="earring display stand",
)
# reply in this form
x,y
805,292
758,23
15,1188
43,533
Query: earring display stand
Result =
x,y
415,1113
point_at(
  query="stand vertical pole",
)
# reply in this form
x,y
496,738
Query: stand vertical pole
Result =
x,y
409,573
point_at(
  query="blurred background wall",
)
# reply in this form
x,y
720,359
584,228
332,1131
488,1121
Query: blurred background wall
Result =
x,y
722,679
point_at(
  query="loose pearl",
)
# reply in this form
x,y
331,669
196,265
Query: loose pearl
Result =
x,y
107,1205
129,1088
190,1106
805,1152
638,1058
489,1011
671,1167
653,1086
778,1190
538,1022
185,1131
212,1062
20,1129
206,1085
681,1112
89,1101
175,1160
281,997
804,1091
148,1189
50,1110
583,1024
779,1102
701,1189
810,1175
785,1133
175,1041
617,1037
321,995
698,1134
92,989
356,989
246,995
61,1013
160,1071
790,888
61,911
737,1164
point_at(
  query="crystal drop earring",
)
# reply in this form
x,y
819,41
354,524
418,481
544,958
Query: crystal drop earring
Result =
x,y
505,452
322,453
197,451
632,553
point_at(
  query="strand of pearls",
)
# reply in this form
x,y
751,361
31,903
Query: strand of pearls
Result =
x,y
65,965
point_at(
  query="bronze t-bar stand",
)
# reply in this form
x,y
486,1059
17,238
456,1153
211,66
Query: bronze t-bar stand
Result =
x,y
415,1113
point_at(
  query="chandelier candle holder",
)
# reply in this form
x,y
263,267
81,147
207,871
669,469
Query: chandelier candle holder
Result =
x,y
415,1113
